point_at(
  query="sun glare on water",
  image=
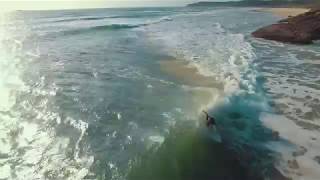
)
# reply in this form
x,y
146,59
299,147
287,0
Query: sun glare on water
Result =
x,y
6,6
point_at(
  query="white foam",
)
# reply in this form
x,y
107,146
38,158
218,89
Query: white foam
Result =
x,y
157,139
298,137
30,146
216,53
119,116
5,172
10,82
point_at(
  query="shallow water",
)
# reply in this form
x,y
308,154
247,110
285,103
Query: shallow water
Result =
x,y
118,94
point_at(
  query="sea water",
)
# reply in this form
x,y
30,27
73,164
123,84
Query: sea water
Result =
x,y
118,94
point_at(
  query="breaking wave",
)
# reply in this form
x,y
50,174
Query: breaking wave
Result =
x,y
229,58
99,18
112,27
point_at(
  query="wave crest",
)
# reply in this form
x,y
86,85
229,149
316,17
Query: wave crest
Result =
x,y
111,27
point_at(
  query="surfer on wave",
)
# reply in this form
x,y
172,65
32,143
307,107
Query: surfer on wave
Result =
x,y
211,122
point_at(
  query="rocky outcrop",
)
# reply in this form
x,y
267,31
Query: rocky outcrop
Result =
x,y
301,29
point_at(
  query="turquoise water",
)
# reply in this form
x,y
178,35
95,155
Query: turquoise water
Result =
x,y
103,94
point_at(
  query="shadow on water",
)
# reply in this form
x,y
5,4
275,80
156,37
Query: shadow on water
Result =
x,y
189,153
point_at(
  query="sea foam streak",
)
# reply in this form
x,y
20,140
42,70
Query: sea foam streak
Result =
x,y
295,97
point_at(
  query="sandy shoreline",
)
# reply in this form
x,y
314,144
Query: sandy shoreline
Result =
x,y
284,12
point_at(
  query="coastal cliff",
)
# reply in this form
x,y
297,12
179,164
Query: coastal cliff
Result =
x,y
301,29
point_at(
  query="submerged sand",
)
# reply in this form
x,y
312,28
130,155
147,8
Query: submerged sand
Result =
x,y
204,89
187,74
285,12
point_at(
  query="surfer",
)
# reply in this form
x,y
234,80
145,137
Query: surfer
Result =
x,y
211,125
210,120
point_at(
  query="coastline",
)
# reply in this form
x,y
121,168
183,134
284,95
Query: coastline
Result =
x,y
284,12
299,28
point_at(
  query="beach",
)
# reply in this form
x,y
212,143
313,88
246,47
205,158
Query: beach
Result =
x,y
285,12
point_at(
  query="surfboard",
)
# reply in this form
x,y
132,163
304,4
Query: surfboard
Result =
x,y
213,134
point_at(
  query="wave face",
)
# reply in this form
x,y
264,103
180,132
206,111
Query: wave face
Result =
x,y
118,93
82,19
101,18
116,26
110,27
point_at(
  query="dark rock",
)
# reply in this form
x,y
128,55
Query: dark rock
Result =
x,y
301,29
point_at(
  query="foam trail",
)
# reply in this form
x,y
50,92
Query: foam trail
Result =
x,y
303,149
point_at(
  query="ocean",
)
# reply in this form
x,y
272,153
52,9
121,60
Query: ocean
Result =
x,y
117,94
